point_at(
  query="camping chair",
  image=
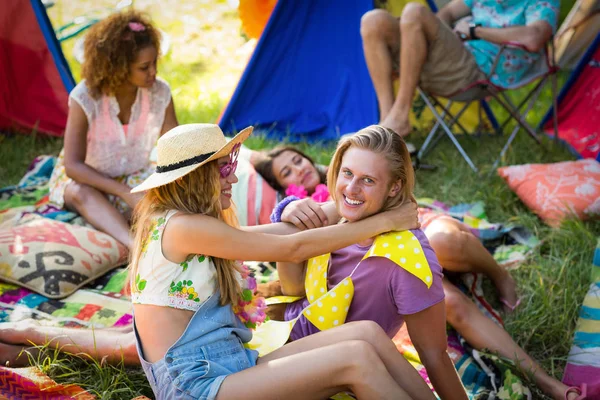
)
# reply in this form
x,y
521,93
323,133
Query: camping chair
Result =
x,y
544,69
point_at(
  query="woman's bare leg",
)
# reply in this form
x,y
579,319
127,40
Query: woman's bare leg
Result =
x,y
482,333
315,367
111,344
94,206
460,251
316,374
368,331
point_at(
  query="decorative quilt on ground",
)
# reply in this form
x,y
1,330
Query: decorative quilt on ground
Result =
x,y
102,303
31,383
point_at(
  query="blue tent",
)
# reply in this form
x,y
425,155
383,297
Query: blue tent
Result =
x,y
307,79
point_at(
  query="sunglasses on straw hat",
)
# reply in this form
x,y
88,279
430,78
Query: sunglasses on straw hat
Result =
x,y
187,147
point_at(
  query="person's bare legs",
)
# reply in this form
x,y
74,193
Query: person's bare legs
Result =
x,y
357,356
16,355
111,344
482,333
94,206
418,28
458,250
404,373
381,40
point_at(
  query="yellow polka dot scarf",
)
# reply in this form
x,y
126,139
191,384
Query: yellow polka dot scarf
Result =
x,y
329,308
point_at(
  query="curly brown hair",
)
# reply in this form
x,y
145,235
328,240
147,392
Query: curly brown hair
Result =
x,y
111,46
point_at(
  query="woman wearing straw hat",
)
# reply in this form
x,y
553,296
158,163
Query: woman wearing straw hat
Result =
x,y
193,306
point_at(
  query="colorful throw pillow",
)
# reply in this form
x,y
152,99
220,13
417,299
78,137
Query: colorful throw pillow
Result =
x,y
559,190
53,258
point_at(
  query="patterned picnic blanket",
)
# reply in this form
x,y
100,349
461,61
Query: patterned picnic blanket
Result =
x,y
31,383
104,302
30,195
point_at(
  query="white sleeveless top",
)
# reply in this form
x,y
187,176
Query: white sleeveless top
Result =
x,y
111,151
161,282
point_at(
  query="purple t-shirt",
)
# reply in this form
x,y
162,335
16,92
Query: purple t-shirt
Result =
x,y
383,291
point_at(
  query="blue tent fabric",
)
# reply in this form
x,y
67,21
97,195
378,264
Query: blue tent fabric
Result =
x,y
307,79
53,45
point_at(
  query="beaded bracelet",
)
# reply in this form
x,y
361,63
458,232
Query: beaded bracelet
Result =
x,y
278,210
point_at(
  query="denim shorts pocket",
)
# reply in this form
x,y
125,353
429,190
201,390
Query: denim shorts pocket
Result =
x,y
166,386
229,358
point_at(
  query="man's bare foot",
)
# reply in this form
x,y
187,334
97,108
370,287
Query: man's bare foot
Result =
x,y
507,292
399,125
560,391
14,356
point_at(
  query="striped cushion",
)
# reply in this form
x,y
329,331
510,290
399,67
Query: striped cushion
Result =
x,y
253,197
583,363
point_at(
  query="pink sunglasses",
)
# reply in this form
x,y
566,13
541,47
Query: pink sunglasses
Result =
x,y
230,167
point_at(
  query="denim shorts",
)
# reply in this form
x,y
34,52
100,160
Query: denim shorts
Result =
x,y
197,372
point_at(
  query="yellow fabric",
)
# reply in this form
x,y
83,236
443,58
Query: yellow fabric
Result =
x,y
404,249
315,282
588,326
591,301
329,308
395,7
270,336
281,299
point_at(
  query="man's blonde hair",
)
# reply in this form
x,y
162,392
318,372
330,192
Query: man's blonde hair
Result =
x,y
386,142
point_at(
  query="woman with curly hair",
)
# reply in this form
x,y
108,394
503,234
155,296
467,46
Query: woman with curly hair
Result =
x,y
116,114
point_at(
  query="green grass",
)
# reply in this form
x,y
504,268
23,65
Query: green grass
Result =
x,y
202,69
98,378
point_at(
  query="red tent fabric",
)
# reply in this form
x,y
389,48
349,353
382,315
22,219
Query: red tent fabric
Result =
x,y
34,77
579,107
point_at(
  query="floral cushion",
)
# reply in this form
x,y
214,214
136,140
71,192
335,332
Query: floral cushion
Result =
x,y
53,258
555,191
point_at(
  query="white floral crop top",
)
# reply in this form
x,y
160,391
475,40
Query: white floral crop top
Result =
x,y
161,282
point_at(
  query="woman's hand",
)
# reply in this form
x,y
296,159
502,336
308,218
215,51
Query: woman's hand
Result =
x,y
131,198
304,214
402,218
462,29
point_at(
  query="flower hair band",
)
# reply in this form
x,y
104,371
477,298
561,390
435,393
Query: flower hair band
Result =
x,y
136,26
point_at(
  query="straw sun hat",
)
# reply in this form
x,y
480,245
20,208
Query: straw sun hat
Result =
x,y
187,147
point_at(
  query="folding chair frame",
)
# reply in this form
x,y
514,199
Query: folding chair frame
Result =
x,y
485,88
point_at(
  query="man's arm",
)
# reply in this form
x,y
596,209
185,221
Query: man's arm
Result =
x,y
427,330
453,11
533,36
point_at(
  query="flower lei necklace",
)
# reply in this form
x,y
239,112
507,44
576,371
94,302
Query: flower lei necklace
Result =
x,y
250,308
320,195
